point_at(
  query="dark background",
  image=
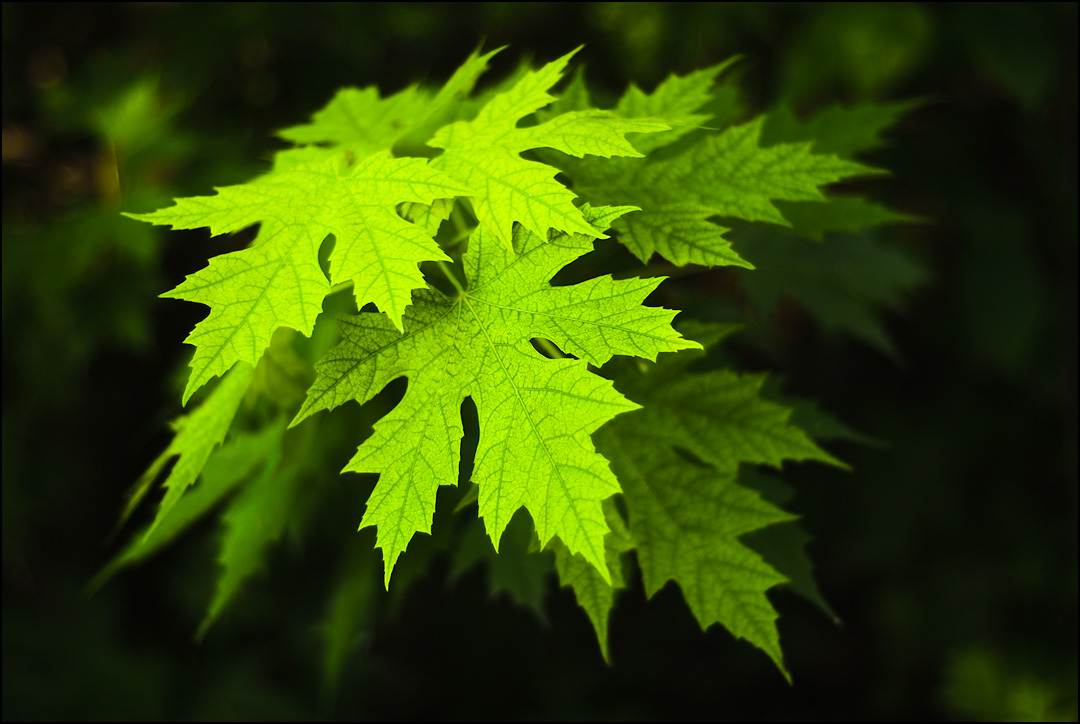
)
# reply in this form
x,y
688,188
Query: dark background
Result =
x,y
949,554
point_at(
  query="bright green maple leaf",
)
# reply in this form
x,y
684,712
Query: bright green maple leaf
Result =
x,y
361,122
679,100
484,154
535,414
278,281
685,103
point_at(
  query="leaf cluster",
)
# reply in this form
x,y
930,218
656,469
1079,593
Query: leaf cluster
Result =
x,y
424,236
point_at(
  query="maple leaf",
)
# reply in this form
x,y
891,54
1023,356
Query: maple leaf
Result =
x,y
278,281
783,544
686,509
535,414
850,273
557,444
361,122
725,174
728,173
679,100
685,522
484,154
844,132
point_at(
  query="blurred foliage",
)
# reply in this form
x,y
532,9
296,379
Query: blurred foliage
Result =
x,y
949,557
983,686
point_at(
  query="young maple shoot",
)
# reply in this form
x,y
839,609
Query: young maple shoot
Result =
x,y
449,221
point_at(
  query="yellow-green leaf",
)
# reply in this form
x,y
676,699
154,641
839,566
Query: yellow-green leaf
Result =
x,y
278,282
484,154
536,414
